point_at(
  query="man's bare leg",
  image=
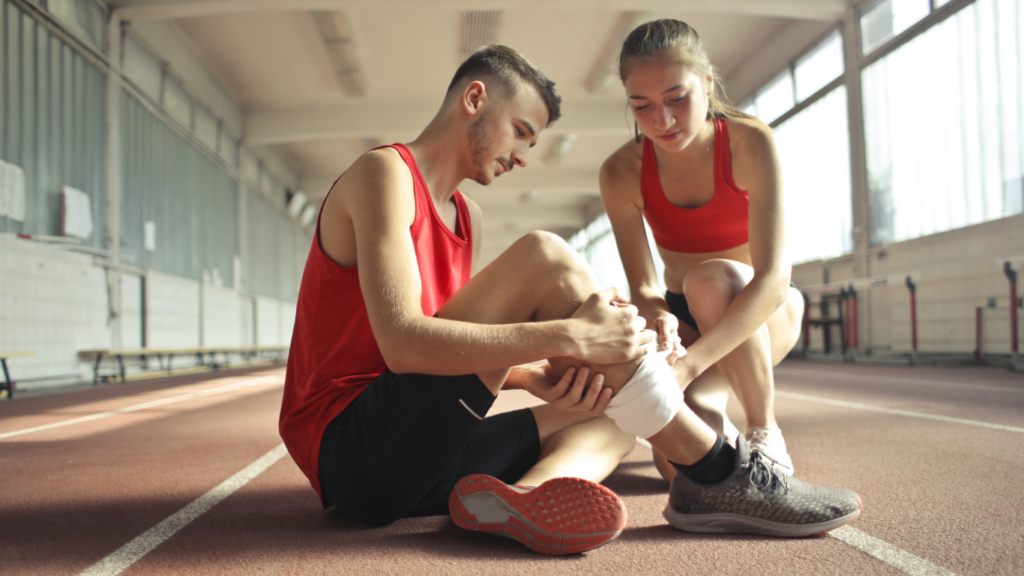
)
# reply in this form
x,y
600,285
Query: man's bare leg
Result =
x,y
541,278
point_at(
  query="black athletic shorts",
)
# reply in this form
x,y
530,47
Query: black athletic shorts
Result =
x,y
680,309
401,446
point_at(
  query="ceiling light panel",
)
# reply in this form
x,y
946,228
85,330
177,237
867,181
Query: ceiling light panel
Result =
x,y
334,31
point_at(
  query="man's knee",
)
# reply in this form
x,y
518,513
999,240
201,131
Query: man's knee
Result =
x,y
546,251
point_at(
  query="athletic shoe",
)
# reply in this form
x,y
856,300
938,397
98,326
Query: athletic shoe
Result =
x,y
757,499
561,516
770,443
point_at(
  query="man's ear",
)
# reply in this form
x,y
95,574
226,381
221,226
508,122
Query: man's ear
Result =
x,y
473,97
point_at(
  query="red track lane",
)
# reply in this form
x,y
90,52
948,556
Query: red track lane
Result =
x,y
948,493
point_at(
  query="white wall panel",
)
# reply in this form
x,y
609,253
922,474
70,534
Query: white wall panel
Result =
x,y
172,311
268,321
286,322
222,317
52,302
131,311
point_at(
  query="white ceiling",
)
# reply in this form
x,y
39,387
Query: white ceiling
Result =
x,y
269,54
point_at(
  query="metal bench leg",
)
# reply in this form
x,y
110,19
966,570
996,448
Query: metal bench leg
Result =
x,y
96,370
7,380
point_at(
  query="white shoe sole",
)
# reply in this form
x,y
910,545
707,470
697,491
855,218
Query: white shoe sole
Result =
x,y
736,523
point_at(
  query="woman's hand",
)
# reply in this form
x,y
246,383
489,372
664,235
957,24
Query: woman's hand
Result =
x,y
667,326
570,392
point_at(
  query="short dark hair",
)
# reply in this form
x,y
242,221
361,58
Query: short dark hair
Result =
x,y
512,70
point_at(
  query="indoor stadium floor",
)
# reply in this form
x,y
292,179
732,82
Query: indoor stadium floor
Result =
x,y
188,475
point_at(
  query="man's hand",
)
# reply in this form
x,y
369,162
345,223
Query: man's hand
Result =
x,y
571,392
611,331
668,336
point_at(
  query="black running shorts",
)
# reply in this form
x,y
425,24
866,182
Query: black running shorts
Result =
x,y
680,309
401,446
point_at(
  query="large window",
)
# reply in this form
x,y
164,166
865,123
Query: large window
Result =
x,y
804,77
813,142
887,18
943,125
814,148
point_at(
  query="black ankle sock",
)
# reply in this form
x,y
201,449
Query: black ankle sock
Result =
x,y
714,467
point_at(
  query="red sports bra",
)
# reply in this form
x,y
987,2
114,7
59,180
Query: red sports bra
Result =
x,y
719,225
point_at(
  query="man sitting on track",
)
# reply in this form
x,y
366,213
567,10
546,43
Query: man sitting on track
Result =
x,y
398,354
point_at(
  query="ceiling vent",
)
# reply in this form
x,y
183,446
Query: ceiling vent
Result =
x,y
480,28
341,51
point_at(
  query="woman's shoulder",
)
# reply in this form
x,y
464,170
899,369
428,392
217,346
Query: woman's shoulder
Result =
x,y
625,164
749,134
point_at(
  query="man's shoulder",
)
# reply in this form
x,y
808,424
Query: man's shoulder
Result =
x,y
376,168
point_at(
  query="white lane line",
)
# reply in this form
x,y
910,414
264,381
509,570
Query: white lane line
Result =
x,y
869,378
145,405
897,558
898,412
133,551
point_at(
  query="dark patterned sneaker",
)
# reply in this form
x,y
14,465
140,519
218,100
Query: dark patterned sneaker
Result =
x,y
561,516
758,499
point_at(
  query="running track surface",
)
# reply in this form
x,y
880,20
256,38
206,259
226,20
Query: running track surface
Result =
x,y
182,476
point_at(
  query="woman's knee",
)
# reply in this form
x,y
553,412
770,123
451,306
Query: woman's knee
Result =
x,y
711,286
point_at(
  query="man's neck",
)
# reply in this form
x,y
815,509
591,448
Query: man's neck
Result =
x,y
437,152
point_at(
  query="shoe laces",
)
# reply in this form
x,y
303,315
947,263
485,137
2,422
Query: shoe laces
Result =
x,y
763,473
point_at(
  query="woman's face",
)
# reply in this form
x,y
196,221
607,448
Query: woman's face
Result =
x,y
669,100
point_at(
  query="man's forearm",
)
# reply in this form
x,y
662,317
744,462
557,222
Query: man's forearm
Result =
x,y
449,347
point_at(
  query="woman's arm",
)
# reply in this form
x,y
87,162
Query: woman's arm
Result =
x,y
755,168
620,192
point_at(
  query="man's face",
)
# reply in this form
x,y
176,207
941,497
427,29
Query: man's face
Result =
x,y
501,136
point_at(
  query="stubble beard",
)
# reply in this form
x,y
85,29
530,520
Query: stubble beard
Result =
x,y
480,149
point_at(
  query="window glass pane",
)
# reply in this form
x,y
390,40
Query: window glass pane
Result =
x,y
250,168
228,148
142,67
776,98
814,149
206,127
749,107
819,67
177,102
888,18
942,154
83,17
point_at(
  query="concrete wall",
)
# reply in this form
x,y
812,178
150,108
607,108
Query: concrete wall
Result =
x,y
52,302
55,302
956,268
274,321
172,311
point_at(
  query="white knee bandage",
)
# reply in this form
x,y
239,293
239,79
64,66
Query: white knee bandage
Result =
x,y
649,400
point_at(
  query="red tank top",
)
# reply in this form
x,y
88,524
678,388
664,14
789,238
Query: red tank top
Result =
x,y
720,224
333,355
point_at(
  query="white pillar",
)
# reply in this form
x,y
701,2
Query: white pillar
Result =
x,y
113,179
858,167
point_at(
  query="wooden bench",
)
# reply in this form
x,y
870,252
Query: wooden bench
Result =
x,y
8,384
200,353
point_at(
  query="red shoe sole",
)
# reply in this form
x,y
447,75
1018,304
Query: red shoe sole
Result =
x,y
561,516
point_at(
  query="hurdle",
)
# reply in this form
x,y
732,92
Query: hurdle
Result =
x,y
1011,302
847,295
